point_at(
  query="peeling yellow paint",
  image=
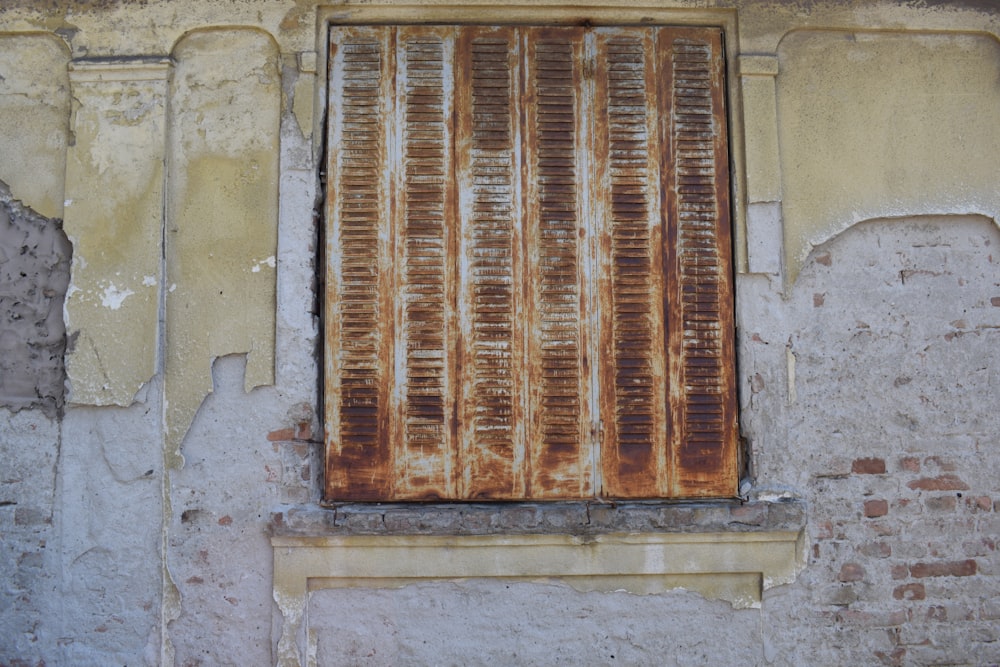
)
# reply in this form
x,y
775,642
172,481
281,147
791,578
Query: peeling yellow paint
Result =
x,y
876,125
222,215
34,116
114,217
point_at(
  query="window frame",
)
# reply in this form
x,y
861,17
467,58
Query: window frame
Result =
x,y
724,20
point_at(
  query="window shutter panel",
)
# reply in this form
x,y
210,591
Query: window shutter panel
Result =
x,y
528,264
360,306
557,251
490,255
629,217
423,223
699,273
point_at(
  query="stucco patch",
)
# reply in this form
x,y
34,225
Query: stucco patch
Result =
x,y
881,125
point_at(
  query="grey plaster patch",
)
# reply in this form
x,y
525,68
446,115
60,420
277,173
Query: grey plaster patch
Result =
x,y
479,622
34,274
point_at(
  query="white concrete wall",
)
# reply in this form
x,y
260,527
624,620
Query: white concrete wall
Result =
x,y
134,523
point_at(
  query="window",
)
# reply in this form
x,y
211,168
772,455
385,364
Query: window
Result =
x,y
528,264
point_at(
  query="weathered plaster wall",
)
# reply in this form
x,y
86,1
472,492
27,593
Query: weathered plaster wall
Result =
x,y
114,208
869,394
222,214
34,112
883,124
188,155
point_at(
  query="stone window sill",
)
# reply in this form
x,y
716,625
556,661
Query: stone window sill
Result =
x,y
722,550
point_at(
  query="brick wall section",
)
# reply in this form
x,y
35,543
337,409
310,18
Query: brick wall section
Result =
x,y
891,439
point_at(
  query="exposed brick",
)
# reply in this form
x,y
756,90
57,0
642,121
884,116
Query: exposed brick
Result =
x,y
940,503
876,549
910,463
872,619
874,508
913,591
983,503
281,434
839,595
940,483
941,463
225,520
956,568
989,610
824,530
937,613
303,431
868,466
894,659
851,572
899,571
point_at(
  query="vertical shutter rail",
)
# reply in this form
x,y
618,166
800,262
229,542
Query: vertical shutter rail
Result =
x,y
489,172
359,311
422,221
635,401
558,439
704,441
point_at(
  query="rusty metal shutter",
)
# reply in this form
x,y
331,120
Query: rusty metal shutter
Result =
x,y
528,282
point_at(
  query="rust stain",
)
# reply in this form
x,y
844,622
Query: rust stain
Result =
x,y
497,220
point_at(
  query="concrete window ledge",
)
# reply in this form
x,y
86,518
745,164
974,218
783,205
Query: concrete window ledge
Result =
x,y
723,551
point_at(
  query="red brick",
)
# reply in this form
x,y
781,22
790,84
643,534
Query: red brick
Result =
x,y
900,571
868,466
983,503
910,463
226,520
303,431
913,591
939,483
955,568
894,659
874,508
281,434
824,530
937,613
851,572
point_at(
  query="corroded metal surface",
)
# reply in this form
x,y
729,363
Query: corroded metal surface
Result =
x,y
529,292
